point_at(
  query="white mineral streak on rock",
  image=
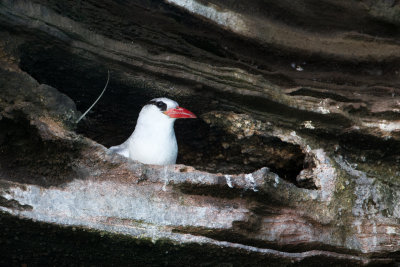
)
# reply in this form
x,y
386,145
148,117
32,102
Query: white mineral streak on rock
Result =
x,y
228,180
325,174
165,177
222,17
357,224
314,194
292,137
308,125
363,187
276,180
164,188
396,209
374,237
390,230
90,202
7,196
323,110
323,107
383,125
366,192
250,179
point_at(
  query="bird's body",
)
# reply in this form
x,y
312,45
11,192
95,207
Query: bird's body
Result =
x,y
153,141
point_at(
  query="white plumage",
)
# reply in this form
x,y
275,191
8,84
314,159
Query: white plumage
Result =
x,y
153,141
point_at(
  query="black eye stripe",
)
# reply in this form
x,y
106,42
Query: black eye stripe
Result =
x,y
161,105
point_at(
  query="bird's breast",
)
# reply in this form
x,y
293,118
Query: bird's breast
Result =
x,y
154,148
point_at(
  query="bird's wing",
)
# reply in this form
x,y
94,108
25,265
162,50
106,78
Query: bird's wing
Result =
x,y
121,149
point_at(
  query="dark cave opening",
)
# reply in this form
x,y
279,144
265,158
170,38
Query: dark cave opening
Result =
x,y
212,149
114,117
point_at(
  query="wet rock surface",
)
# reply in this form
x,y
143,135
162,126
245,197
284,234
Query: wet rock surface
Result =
x,y
294,159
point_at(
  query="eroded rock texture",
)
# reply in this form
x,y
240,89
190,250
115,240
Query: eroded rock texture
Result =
x,y
294,160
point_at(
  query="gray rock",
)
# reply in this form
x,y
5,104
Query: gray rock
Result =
x,y
283,167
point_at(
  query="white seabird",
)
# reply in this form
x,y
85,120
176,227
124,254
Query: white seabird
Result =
x,y
153,141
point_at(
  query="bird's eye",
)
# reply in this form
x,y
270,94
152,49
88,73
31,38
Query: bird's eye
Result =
x,y
161,105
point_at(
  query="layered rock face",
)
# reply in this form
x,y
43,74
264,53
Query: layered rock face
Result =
x,y
294,159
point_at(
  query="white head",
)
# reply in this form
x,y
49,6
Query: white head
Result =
x,y
162,111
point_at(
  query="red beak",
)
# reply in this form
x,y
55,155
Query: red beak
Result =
x,y
179,113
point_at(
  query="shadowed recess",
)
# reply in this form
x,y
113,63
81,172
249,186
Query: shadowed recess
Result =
x,y
26,158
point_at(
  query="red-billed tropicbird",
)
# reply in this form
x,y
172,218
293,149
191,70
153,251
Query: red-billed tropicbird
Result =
x,y
153,141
